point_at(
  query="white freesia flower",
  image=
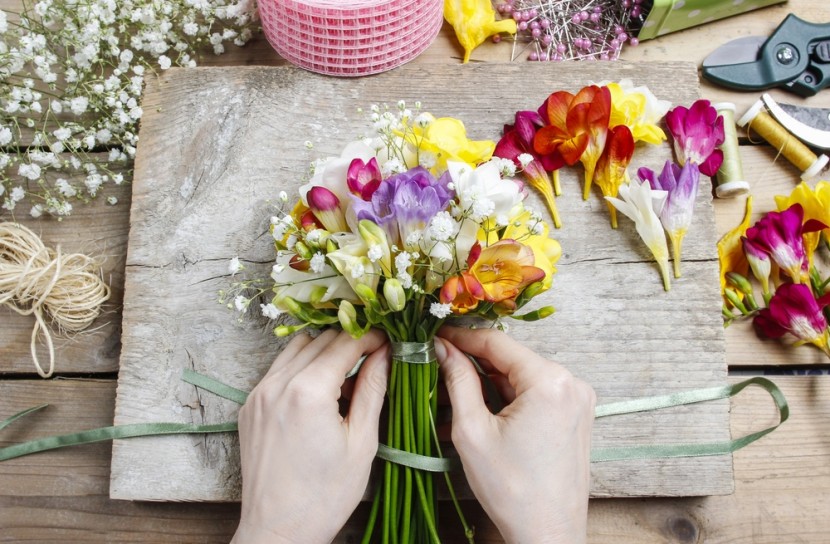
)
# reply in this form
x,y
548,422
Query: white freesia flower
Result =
x,y
482,192
642,204
300,285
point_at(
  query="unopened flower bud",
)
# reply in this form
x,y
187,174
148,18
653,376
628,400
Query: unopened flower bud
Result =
x,y
395,295
347,315
303,250
735,300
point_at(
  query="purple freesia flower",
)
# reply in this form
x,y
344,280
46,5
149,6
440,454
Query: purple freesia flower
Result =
x,y
405,203
681,184
780,235
795,313
697,133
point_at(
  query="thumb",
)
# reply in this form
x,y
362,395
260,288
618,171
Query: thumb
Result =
x,y
461,379
369,392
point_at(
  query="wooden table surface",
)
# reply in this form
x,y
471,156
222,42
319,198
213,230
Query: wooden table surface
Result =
x,y
782,483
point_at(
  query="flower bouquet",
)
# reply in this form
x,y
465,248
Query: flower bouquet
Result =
x,y
401,232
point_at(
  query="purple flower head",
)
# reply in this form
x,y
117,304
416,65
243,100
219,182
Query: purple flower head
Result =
x,y
681,184
780,235
697,133
794,311
405,202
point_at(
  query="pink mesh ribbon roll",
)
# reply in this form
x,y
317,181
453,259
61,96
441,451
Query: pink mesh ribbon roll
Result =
x,y
350,37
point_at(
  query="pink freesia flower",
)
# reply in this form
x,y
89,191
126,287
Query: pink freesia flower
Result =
x,y
697,133
795,313
779,234
326,208
517,141
363,178
681,184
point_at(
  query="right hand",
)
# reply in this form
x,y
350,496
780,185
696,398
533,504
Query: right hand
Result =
x,y
529,465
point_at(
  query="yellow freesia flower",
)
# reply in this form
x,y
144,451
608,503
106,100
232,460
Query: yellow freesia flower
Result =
x,y
639,110
816,204
446,138
474,21
731,248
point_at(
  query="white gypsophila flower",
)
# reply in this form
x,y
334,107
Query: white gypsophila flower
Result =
x,y
65,188
405,279
506,167
190,28
56,106
112,201
36,211
525,159
440,310
29,171
358,270
62,133
442,227
17,194
79,104
318,263
234,266
270,311
375,253
427,159
4,25
283,196
165,62
391,167
5,136
241,303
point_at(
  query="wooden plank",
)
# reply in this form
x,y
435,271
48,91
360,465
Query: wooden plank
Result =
x,y
625,335
97,229
782,483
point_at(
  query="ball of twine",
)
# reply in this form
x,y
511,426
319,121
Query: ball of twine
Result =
x,y
37,280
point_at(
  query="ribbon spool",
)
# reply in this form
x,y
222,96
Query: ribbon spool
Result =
x,y
36,280
757,119
350,37
729,179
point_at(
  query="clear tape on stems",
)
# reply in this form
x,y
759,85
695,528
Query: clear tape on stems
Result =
x,y
414,352
352,38
729,179
762,123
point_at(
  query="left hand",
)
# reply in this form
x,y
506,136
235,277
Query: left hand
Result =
x,y
305,467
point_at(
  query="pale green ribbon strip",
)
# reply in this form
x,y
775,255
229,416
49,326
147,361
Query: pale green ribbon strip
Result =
x,y
432,464
414,352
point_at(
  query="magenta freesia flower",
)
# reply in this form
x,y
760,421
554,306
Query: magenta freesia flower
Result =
x,y
779,234
363,178
325,206
405,203
697,133
795,313
681,185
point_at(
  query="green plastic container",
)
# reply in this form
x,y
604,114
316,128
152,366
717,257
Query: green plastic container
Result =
x,y
668,16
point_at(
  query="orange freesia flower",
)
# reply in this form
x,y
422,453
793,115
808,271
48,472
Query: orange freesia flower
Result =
x,y
610,171
503,270
464,292
577,130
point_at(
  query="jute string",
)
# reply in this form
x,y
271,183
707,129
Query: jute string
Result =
x,y
37,280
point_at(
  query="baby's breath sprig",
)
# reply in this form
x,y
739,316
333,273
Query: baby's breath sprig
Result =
x,y
71,76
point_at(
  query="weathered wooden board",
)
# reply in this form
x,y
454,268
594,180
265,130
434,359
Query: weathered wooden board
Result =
x,y
217,144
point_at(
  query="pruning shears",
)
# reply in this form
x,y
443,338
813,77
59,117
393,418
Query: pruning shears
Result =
x,y
796,57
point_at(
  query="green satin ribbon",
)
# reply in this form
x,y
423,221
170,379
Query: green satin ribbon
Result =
x,y
414,352
433,464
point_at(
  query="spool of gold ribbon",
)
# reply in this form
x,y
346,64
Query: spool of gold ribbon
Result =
x,y
729,179
37,280
762,123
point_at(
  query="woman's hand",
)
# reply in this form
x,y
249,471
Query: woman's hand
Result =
x,y
304,466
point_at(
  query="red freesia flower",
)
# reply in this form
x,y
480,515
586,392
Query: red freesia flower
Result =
x,y
577,128
610,171
795,313
518,140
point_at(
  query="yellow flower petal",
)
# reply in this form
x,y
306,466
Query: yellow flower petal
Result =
x,y
446,138
638,109
731,249
474,21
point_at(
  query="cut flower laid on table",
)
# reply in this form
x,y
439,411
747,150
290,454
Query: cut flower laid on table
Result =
x,y
401,232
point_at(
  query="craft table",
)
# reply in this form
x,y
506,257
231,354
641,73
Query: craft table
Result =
x,y
782,482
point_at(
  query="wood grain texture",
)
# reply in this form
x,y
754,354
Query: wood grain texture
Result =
x,y
97,229
215,146
780,482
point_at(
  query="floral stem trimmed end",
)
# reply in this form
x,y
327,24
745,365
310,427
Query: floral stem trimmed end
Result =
x,y
550,200
613,213
664,271
557,187
589,180
676,245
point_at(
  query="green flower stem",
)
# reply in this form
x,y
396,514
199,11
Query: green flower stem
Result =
x,y
407,446
468,531
677,244
373,516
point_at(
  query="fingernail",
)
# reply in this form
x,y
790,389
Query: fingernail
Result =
x,y
440,349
